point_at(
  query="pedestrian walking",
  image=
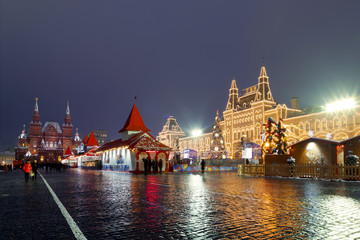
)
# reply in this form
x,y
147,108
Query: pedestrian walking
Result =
x,y
202,165
27,170
160,165
34,167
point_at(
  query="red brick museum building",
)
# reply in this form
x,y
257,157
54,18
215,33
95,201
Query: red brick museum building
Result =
x,y
48,142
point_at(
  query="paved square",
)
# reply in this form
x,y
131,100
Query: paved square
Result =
x,y
214,205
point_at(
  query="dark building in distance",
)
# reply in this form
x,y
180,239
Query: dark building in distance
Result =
x,y
46,142
101,136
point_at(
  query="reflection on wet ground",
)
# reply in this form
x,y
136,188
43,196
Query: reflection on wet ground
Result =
x,y
207,206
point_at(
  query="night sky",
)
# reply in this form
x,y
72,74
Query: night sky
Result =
x,y
177,57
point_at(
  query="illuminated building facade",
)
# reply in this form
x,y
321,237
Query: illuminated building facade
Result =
x,y
46,142
247,111
101,136
170,135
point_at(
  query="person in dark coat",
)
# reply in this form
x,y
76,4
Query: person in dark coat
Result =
x,y
34,167
153,165
202,165
160,165
145,165
148,164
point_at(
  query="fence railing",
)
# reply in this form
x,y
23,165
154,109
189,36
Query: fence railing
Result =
x,y
347,172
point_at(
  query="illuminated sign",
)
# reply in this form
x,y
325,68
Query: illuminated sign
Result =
x,y
247,153
190,153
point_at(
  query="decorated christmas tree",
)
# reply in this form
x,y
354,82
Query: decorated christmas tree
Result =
x,y
217,145
274,141
281,141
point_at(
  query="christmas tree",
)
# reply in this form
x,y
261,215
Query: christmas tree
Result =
x,y
281,141
217,145
275,138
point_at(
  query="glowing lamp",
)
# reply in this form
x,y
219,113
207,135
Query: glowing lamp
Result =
x,y
196,133
341,105
267,144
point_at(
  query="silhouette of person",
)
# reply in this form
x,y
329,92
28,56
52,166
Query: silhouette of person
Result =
x,y
34,167
202,165
160,165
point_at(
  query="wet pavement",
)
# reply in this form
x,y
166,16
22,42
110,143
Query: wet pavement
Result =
x,y
214,205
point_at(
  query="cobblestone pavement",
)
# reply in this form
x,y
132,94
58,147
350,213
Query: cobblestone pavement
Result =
x,y
110,205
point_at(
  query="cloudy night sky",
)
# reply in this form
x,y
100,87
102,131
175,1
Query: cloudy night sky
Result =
x,y
177,57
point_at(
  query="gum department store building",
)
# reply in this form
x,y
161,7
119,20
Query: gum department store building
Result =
x,y
246,113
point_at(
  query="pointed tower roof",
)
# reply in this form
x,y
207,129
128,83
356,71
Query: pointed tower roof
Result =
x,y
67,115
92,140
263,72
134,122
36,107
233,83
67,108
85,139
36,116
263,89
233,95
68,151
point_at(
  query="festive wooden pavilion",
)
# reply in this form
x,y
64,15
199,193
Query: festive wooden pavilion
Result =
x,y
127,154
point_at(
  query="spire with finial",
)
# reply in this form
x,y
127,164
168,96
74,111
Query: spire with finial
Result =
x,y
263,89
263,71
36,108
233,95
67,115
68,108
36,116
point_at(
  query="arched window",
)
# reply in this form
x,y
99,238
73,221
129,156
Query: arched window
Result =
x,y
51,145
336,123
323,124
301,128
317,125
343,121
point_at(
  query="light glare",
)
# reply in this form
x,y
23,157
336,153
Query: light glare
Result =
x,y
196,132
341,105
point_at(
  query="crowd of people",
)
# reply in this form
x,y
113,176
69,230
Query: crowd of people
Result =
x,y
31,168
154,165
5,168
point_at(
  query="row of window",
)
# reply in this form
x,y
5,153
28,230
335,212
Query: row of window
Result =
x,y
47,144
195,143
